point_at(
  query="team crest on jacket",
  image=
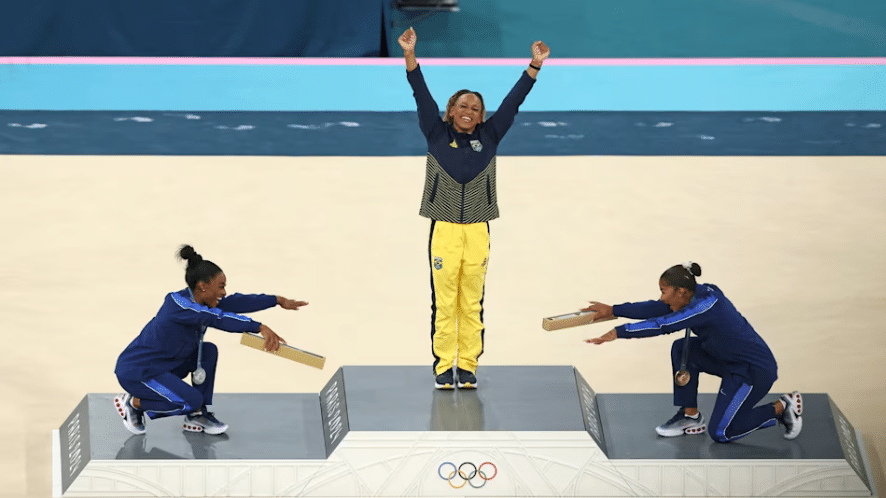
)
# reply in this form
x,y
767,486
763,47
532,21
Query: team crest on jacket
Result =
x,y
438,263
476,145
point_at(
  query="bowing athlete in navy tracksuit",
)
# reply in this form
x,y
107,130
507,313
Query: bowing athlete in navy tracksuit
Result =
x,y
152,368
724,345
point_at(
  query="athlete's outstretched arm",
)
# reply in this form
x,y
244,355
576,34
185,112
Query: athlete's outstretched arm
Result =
x,y
407,43
501,121
428,112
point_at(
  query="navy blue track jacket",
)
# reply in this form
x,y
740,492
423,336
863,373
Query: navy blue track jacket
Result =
x,y
462,163
725,333
171,337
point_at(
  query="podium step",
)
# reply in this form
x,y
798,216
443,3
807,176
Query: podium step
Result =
x,y
385,431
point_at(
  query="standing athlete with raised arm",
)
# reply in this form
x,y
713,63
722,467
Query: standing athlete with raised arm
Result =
x,y
460,199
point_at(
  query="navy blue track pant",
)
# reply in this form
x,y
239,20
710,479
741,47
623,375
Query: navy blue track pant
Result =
x,y
167,394
735,414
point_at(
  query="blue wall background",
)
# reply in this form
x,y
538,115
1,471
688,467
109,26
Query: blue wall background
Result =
x,y
483,28
651,28
193,28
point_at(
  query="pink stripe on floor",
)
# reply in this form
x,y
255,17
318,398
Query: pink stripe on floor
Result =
x,y
396,61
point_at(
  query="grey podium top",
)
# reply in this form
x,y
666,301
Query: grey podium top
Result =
x,y
629,422
536,398
403,398
261,426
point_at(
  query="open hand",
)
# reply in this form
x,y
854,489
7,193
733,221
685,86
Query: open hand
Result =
x,y
607,337
407,40
290,304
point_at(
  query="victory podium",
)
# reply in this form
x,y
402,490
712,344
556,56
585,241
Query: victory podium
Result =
x,y
385,431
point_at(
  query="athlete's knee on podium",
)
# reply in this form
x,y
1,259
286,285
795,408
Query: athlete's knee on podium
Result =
x,y
717,435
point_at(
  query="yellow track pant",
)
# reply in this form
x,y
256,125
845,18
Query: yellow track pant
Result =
x,y
458,256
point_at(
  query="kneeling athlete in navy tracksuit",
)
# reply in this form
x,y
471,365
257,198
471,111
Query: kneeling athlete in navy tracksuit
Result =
x,y
152,368
724,345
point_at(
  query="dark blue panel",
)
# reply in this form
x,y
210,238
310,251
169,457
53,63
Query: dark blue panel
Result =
x,y
31,28
856,133
651,28
188,28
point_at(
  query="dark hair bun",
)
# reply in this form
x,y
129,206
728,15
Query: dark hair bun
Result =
x,y
187,253
695,270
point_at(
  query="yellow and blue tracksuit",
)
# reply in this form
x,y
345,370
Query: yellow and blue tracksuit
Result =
x,y
460,198
152,367
725,345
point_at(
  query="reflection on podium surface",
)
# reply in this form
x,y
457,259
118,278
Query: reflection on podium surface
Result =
x,y
203,447
701,447
457,410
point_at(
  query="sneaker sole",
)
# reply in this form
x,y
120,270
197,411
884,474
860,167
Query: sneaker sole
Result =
x,y
681,432
118,402
467,385
192,427
796,400
199,428
444,387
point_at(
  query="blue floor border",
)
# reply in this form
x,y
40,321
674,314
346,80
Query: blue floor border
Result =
x,y
278,133
382,87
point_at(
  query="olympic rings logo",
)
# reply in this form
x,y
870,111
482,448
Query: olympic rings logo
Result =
x,y
468,478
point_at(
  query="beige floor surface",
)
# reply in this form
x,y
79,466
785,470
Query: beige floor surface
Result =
x,y
88,245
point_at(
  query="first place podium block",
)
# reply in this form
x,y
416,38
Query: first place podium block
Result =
x,y
385,431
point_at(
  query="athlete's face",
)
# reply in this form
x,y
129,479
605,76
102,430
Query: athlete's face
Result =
x,y
210,293
674,297
466,113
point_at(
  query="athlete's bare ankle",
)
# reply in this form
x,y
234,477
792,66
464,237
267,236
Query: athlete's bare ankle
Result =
x,y
690,411
136,403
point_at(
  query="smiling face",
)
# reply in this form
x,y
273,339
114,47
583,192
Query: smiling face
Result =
x,y
466,113
211,292
675,297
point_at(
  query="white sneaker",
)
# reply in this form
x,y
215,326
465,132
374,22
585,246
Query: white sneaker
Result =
x,y
133,418
680,424
204,422
790,417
